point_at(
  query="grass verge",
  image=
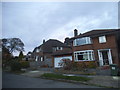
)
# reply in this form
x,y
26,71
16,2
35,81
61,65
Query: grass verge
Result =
x,y
60,76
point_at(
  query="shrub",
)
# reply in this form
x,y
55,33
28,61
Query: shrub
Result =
x,y
15,65
91,64
66,64
76,66
24,64
45,66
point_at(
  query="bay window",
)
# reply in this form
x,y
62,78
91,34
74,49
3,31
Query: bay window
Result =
x,y
86,55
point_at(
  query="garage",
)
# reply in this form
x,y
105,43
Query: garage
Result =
x,y
57,60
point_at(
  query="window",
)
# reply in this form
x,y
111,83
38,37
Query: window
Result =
x,y
57,48
54,48
37,50
84,55
102,39
61,48
82,41
41,58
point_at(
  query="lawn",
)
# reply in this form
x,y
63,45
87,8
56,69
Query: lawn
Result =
x,y
60,76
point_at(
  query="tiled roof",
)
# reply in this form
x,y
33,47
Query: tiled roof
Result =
x,y
48,45
94,33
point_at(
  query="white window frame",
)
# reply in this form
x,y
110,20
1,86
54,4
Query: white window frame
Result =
x,y
87,41
57,48
36,58
37,50
102,39
41,58
101,58
92,56
61,48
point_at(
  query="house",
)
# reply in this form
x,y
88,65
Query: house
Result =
x,y
43,54
101,46
28,56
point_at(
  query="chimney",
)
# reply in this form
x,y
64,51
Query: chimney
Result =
x,y
43,41
75,32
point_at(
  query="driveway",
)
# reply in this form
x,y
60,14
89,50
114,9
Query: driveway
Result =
x,y
20,81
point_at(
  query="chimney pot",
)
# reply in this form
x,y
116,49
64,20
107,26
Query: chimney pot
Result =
x,y
75,32
43,41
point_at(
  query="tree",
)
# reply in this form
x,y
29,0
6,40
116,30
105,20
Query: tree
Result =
x,y
13,44
21,55
6,56
10,45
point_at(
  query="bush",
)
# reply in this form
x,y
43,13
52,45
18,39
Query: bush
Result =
x,y
24,64
76,66
66,64
15,65
91,64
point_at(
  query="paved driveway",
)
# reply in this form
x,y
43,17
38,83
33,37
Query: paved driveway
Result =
x,y
19,81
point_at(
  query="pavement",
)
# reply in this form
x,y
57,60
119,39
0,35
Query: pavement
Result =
x,y
98,80
35,73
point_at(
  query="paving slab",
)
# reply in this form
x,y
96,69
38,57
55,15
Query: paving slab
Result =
x,y
35,73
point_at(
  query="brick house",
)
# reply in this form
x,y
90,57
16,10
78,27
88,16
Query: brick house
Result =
x,y
100,46
43,54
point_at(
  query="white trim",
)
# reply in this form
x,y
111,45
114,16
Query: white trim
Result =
x,y
102,39
41,58
110,57
101,58
87,40
74,42
36,59
87,55
83,51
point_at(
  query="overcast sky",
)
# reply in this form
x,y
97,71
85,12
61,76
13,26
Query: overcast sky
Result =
x,y
33,22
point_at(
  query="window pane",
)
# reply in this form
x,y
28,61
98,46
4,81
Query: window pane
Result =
x,y
85,56
102,39
80,57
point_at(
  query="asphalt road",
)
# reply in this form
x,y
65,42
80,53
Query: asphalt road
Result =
x,y
18,81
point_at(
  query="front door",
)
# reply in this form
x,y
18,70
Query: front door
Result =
x,y
105,57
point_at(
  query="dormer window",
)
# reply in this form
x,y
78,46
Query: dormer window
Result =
x,y
82,41
57,48
102,39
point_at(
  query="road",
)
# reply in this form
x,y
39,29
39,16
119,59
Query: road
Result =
x,y
20,81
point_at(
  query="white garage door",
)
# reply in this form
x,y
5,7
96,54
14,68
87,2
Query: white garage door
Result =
x,y
57,60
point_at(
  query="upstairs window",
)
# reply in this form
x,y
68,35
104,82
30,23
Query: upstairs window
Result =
x,y
54,49
57,48
37,50
102,39
82,41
